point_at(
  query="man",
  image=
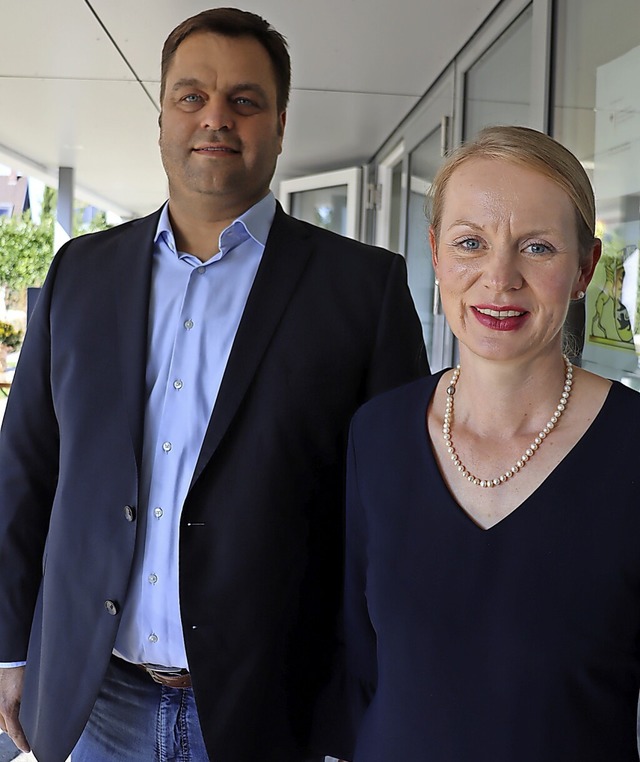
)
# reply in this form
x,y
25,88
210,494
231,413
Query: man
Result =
x,y
172,451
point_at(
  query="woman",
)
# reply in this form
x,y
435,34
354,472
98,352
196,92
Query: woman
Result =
x,y
493,540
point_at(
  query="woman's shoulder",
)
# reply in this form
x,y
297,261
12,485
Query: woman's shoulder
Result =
x,y
605,408
612,393
625,399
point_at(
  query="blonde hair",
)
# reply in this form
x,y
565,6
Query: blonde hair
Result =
x,y
533,150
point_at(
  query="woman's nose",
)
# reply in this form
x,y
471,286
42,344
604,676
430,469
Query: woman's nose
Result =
x,y
503,271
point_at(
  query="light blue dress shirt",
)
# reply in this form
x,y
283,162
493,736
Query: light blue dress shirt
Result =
x,y
194,315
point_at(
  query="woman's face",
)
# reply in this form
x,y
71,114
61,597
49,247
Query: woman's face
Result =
x,y
507,259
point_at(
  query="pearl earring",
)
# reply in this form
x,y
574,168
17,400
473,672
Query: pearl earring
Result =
x,y
580,295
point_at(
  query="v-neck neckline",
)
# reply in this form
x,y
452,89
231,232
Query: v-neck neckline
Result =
x,y
430,455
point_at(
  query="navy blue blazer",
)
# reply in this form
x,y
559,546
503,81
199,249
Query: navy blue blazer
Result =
x,y
329,323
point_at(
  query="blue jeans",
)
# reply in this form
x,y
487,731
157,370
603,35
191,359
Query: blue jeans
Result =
x,y
136,719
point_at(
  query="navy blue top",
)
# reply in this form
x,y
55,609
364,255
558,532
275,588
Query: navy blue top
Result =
x,y
519,643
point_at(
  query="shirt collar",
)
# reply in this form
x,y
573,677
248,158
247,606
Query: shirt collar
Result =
x,y
256,222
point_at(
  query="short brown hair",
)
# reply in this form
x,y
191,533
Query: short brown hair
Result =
x,y
531,149
232,22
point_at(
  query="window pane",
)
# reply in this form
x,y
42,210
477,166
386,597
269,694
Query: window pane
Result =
x,y
325,207
424,161
498,85
395,244
597,116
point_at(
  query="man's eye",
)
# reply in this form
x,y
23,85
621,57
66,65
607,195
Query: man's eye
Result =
x,y
191,98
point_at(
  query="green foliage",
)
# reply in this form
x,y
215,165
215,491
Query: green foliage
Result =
x,y
49,202
26,251
99,222
10,336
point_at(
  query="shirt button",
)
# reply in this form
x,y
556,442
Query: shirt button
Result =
x,y
166,446
158,512
153,578
201,270
153,638
177,384
188,324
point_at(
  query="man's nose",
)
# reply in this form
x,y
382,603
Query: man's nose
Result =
x,y
217,114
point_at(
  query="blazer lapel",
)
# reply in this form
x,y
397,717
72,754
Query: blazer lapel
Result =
x,y
283,261
132,260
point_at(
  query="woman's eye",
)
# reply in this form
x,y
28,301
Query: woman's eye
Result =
x,y
537,248
470,244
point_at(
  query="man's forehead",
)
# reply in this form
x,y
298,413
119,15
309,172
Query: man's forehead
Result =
x,y
205,54
218,48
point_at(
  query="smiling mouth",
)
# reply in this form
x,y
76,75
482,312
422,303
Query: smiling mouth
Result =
x,y
215,149
499,314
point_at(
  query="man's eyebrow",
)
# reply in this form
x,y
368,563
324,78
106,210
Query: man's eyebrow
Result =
x,y
187,82
250,87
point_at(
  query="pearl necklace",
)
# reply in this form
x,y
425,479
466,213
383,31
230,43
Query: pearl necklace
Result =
x,y
526,455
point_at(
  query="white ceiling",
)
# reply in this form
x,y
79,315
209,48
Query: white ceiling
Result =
x,y
79,83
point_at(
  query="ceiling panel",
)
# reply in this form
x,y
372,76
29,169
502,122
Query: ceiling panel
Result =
x,y
56,40
69,91
106,131
359,45
344,128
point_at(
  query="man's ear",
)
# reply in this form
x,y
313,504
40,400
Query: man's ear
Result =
x,y
282,121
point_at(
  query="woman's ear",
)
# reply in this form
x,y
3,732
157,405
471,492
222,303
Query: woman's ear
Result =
x,y
588,268
434,248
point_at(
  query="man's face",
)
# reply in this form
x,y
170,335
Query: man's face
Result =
x,y
220,132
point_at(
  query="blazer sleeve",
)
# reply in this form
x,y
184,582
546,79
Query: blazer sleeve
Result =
x,y
29,455
359,634
344,700
399,354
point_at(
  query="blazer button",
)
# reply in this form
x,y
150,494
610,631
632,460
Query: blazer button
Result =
x,y
111,607
129,513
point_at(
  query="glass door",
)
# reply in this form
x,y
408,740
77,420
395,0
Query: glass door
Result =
x,y
405,167
390,207
497,85
424,161
427,140
500,77
330,200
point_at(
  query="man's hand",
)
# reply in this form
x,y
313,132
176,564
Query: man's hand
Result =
x,y
11,679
